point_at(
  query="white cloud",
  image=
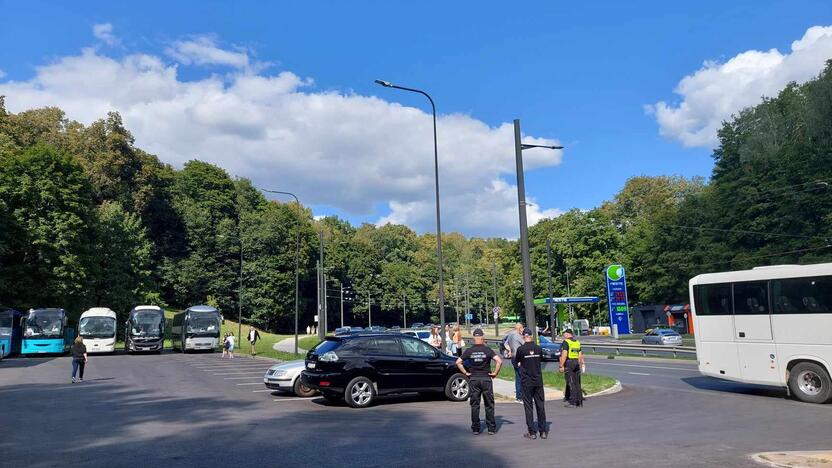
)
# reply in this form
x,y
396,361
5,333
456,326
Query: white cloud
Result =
x,y
104,33
203,50
346,151
718,90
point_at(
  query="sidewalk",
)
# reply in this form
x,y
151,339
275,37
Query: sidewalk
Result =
x,y
504,391
287,346
805,459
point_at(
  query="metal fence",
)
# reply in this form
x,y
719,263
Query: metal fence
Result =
x,y
644,349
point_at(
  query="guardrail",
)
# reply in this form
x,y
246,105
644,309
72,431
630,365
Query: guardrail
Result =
x,y
618,347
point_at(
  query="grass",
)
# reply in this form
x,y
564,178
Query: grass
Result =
x,y
308,342
590,383
265,346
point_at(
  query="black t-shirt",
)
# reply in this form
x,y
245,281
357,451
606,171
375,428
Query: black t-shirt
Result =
x,y
528,356
480,360
78,350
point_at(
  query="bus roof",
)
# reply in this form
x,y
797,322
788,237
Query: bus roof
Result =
x,y
48,309
201,308
764,273
146,307
99,312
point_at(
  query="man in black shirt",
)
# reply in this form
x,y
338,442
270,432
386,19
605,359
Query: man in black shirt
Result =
x,y
527,358
479,358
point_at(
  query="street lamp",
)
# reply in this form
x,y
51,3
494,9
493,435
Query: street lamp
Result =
x,y
297,259
528,298
387,84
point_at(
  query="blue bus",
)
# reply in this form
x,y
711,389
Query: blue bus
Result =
x,y
45,332
10,333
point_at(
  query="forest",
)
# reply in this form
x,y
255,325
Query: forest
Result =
x,y
87,219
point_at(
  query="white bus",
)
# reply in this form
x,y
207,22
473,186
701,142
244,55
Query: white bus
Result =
x,y
197,328
97,327
767,326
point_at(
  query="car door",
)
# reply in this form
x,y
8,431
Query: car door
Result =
x,y
384,354
752,332
425,369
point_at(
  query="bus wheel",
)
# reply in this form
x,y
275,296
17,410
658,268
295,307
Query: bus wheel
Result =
x,y
810,383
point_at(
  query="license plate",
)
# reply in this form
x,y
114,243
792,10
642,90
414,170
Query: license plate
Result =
x,y
310,365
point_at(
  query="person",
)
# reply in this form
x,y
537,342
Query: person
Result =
x,y
479,381
449,343
572,364
527,359
459,343
230,340
225,345
253,336
435,339
79,358
308,330
514,340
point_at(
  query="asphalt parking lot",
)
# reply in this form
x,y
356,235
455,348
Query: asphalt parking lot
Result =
x,y
201,410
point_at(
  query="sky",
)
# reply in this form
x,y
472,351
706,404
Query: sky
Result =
x,y
282,92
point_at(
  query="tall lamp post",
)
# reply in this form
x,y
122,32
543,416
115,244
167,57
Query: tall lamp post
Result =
x,y
297,260
528,298
387,84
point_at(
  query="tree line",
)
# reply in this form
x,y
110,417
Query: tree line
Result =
x,y
89,219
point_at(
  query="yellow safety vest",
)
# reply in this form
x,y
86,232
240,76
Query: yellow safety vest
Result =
x,y
574,349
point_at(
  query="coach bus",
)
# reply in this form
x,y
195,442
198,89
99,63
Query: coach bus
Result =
x,y
197,328
145,329
10,332
97,327
45,332
768,326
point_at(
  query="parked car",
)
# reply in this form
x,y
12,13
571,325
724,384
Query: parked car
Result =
x,y
662,336
342,331
417,326
551,349
420,334
358,368
286,377
376,329
395,328
356,329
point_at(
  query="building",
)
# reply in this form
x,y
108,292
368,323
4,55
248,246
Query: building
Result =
x,y
676,316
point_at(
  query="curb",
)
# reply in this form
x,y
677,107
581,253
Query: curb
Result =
x,y
612,390
796,459
617,387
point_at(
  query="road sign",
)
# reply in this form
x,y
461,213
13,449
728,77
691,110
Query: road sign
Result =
x,y
617,298
469,316
496,312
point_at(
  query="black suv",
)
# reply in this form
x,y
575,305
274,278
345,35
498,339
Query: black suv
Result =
x,y
357,368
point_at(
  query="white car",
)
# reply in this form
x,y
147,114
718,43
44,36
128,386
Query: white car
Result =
x,y
422,335
286,377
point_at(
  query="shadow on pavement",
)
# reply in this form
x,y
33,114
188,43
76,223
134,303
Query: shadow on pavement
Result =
x,y
17,362
717,385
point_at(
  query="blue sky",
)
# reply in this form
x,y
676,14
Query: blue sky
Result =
x,y
580,74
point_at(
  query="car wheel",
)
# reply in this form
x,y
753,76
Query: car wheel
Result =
x,y
331,397
457,388
302,390
810,383
360,392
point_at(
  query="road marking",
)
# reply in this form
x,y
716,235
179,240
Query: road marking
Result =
x,y
637,373
263,391
210,368
238,373
290,399
243,378
255,383
599,363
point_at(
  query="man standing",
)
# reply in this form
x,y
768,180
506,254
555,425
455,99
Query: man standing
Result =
x,y
514,340
527,359
572,364
479,381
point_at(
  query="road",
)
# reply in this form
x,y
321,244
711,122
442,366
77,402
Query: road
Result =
x,y
198,409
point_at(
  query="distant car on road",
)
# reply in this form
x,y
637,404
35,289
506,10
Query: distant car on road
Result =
x,y
551,350
358,368
376,329
417,326
286,377
662,336
396,329
420,334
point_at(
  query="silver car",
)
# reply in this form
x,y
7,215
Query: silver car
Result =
x,y
286,377
662,336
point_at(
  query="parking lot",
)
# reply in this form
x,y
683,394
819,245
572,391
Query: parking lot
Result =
x,y
199,409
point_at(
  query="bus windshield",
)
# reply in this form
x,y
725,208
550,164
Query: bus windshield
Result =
x,y
147,324
97,327
44,324
5,319
204,325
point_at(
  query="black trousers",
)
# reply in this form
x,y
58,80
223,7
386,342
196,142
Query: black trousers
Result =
x,y
533,398
485,389
76,364
572,372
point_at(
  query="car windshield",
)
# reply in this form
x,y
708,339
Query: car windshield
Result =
x,y
204,324
147,323
97,327
44,324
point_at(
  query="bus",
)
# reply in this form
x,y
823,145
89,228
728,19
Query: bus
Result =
x,y
45,332
145,329
10,333
197,328
767,326
97,327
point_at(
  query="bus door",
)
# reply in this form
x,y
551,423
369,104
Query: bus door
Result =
x,y
752,332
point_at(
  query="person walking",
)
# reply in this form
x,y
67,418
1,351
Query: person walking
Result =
x,y
230,340
308,330
514,340
253,336
572,364
225,345
527,359
479,381
79,358
435,339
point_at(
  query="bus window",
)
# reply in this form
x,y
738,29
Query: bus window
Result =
x,y
713,299
751,298
811,295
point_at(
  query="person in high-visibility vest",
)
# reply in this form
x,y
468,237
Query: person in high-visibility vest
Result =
x,y
572,364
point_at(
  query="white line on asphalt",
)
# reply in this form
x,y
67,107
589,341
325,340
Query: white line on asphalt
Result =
x,y
238,373
637,373
255,383
210,368
243,378
290,399
598,363
263,391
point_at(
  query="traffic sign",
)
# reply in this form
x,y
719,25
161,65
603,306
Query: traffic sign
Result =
x,y
496,311
469,316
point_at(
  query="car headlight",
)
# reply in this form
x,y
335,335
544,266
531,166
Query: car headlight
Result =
x,y
329,356
280,373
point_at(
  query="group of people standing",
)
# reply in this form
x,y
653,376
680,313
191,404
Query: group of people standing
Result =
x,y
228,343
526,358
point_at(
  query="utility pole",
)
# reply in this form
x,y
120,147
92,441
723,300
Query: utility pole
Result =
x,y
318,279
456,302
552,320
369,310
496,315
404,310
342,304
568,290
322,288
467,303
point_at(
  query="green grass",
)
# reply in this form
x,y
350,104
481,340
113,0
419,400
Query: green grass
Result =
x,y
590,383
264,345
308,342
